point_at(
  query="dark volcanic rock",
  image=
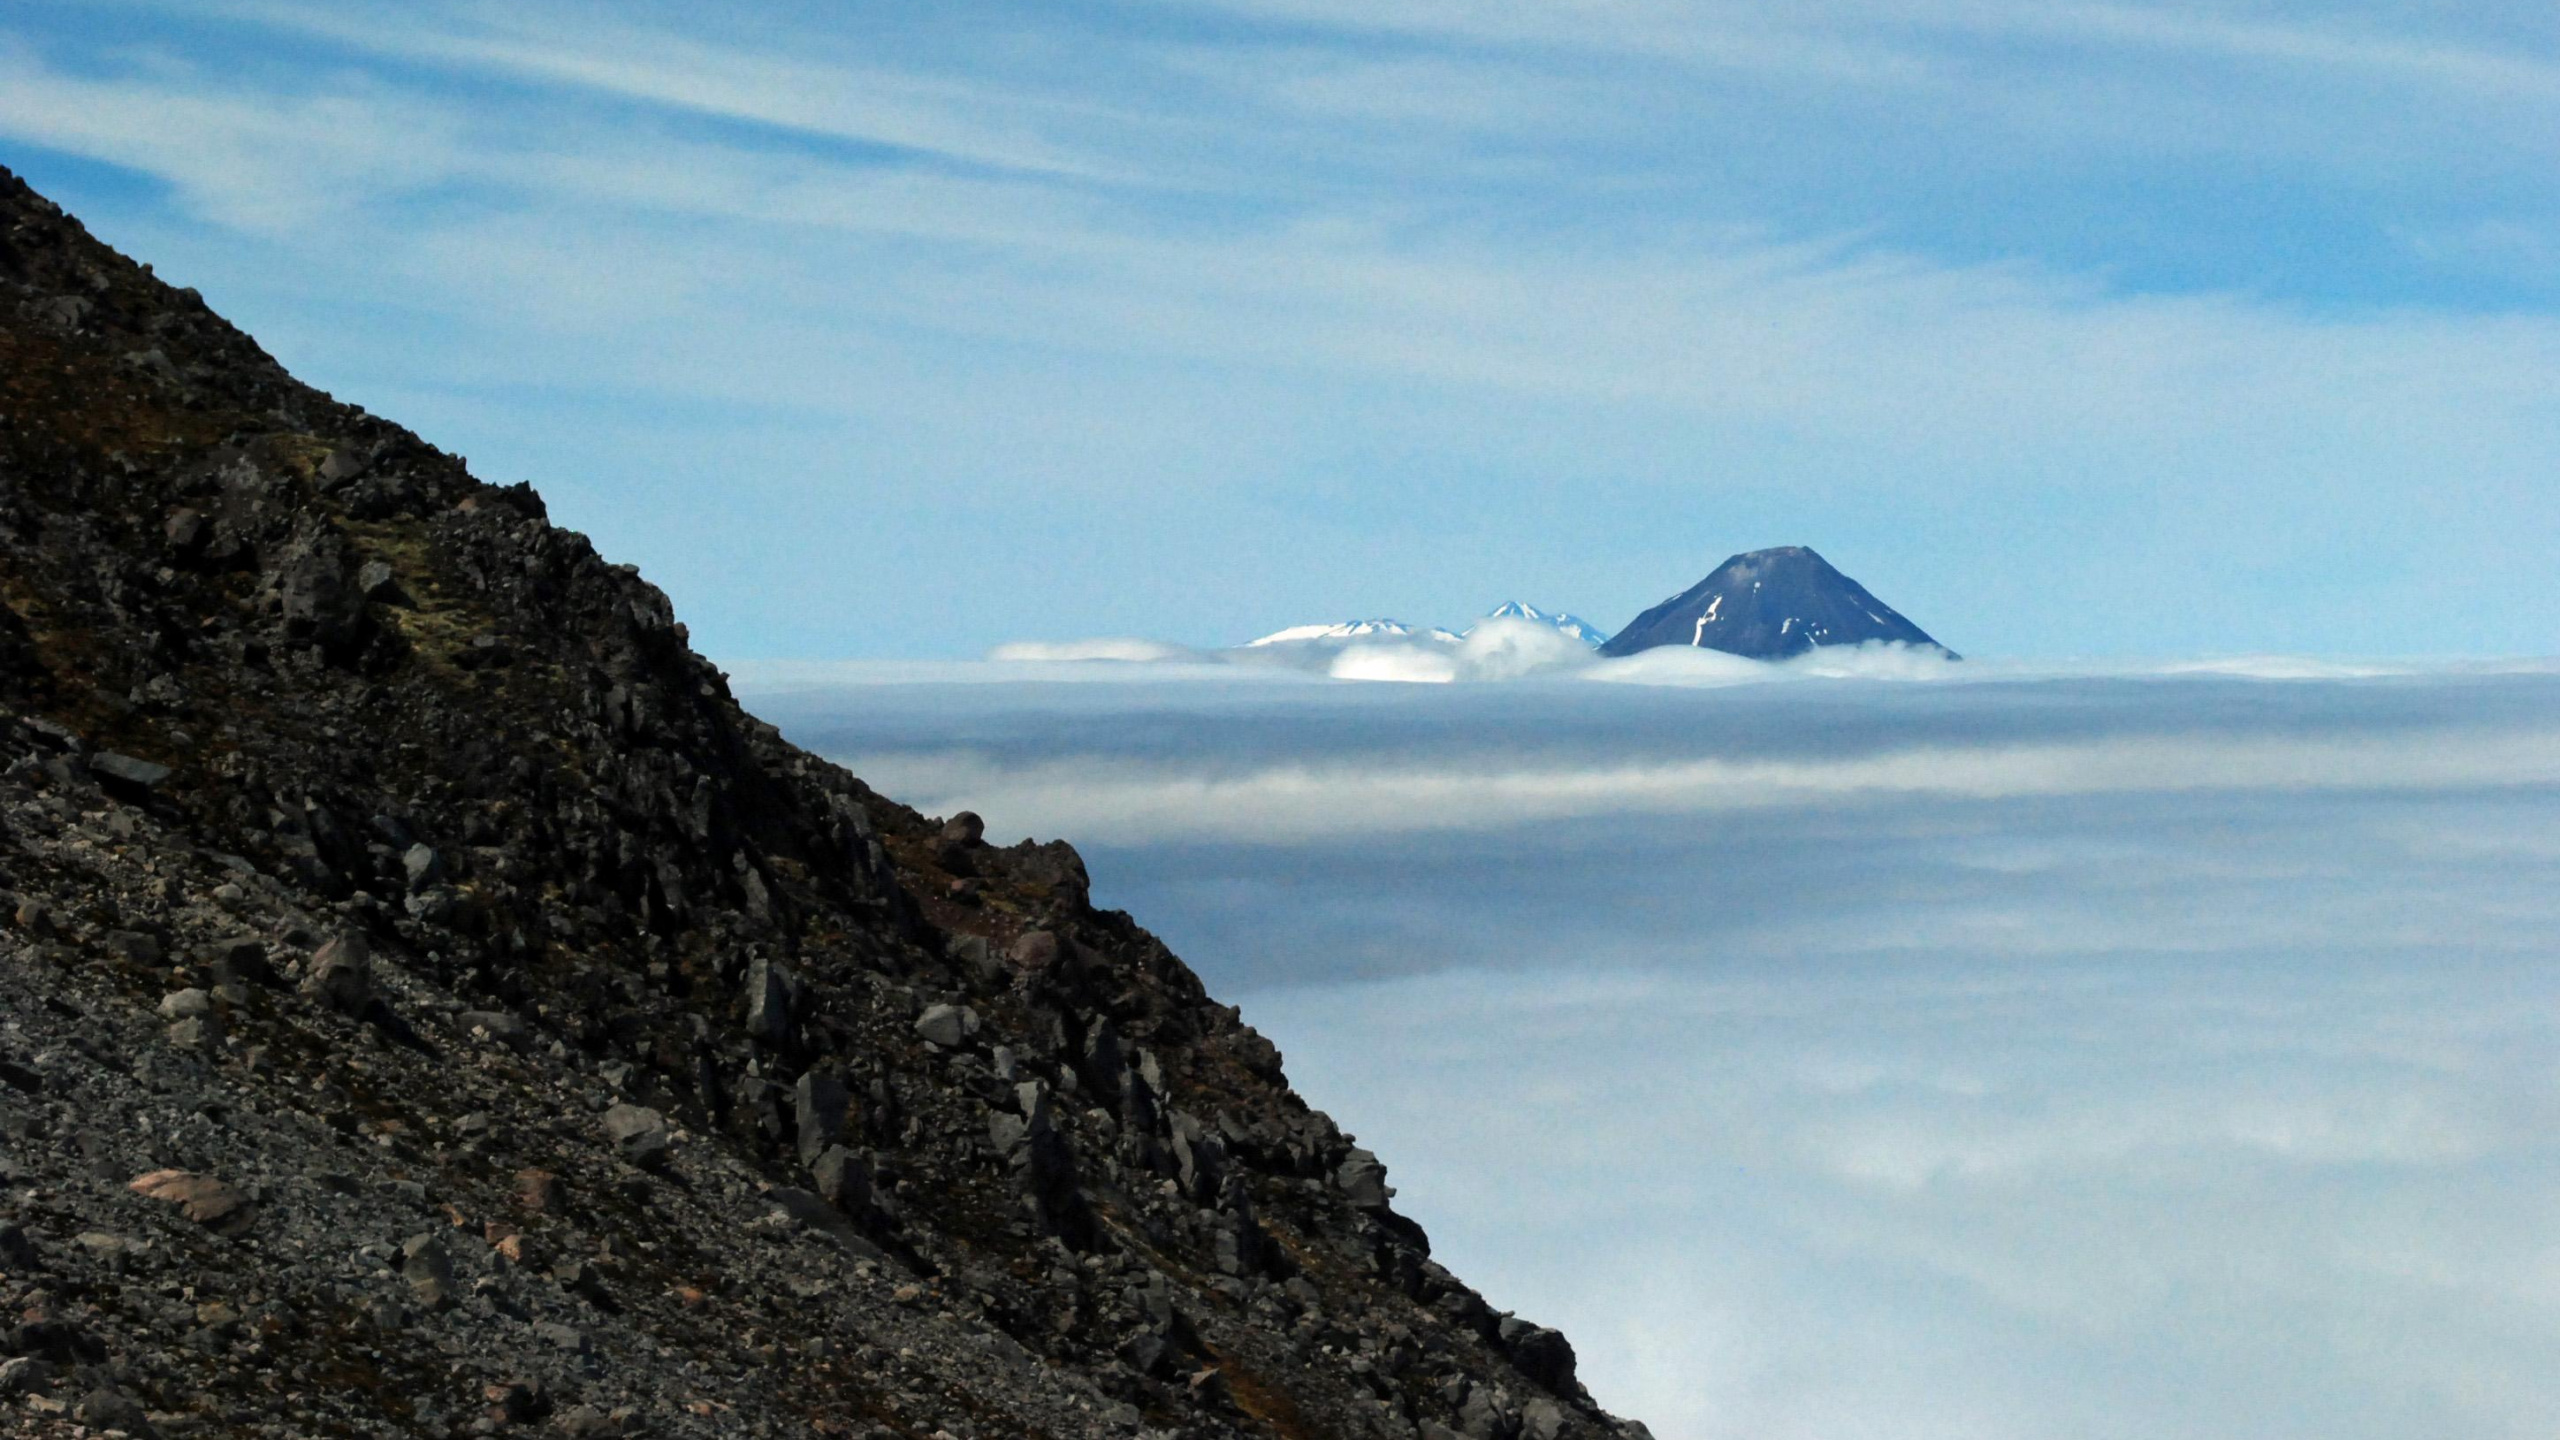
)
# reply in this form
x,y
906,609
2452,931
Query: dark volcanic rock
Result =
x,y
1768,605
507,1028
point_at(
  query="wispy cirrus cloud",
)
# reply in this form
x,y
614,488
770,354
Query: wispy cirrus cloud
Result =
x,y
1309,280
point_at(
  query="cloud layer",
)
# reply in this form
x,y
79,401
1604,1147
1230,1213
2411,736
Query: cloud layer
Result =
x,y
2158,1054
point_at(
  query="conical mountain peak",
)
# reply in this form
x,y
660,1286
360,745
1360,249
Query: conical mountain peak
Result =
x,y
1770,605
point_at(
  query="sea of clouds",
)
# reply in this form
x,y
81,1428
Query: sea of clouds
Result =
x,y
1883,1047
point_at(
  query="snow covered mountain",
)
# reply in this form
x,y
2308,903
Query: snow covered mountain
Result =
x,y
1351,630
1768,605
1580,629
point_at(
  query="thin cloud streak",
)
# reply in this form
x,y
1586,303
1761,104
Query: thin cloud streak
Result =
x,y
1137,803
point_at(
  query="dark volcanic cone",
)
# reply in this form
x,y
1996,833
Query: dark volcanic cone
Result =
x,y
1769,605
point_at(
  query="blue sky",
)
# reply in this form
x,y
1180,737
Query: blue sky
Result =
x,y
2071,329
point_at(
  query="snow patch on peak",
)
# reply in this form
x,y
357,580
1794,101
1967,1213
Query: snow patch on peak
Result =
x,y
1573,625
1379,629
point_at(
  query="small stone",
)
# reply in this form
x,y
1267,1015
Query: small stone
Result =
x,y
514,1402
18,1250
186,531
342,466
196,1032
768,1003
541,1191
944,1025
590,1422
425,868
209,1202
498,1025
1035,952
565,1337
376,582
185,1004
638,1133
111,1409
127,775
25,1375
134,946
243,958
428,1267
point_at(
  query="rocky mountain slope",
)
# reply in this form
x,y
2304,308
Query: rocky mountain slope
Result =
x,y
1768,605
430,1006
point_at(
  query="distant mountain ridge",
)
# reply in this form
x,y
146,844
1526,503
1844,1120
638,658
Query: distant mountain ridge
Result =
x,y
1345,630
1573,625
1771,605
1383,630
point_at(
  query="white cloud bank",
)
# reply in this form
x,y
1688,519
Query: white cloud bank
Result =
x,y
2163,1054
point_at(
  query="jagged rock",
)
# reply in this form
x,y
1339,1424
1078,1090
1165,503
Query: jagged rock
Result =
x,y
819,1103
1542,1354
1364,1180
340,974
965,828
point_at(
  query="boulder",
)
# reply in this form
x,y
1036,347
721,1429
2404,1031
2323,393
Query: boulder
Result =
x,y
1363,1180
639,1134
1542,1354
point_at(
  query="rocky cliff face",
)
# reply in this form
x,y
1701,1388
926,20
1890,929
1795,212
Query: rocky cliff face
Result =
x,y
429,1005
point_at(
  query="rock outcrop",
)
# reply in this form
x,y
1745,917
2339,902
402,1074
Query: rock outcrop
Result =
x,y
430,1006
